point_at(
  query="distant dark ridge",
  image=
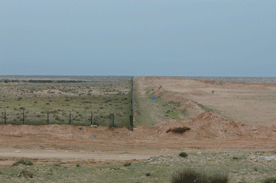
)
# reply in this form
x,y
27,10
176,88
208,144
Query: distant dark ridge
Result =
x,y
42,81
119,78
64,78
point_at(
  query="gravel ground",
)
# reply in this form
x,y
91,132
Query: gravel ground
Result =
x,y
237,79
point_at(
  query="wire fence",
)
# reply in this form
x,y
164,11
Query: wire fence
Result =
x,y
132,104
70,118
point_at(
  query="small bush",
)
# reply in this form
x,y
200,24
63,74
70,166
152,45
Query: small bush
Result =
x,y
147,174
183,154
127,164
187,176
192,176
26,173
23,162
270,180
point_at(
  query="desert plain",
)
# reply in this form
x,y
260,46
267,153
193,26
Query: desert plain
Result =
x,y
206,119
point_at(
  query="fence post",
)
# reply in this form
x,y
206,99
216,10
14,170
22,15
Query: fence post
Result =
x,y
113,120
48,118
131,122
91,119
5,118
23,118
70,118
112,117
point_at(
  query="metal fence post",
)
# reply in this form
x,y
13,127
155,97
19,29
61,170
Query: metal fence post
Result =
x,y
70,118
48,118
91,119
112,118
131,122
23,118
5,117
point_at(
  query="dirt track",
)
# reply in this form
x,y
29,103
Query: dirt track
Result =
x,y
207,132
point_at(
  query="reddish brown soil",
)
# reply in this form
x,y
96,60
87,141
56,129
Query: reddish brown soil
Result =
x,y
102,145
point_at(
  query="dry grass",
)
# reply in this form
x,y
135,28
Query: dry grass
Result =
x,y
61,99
156,169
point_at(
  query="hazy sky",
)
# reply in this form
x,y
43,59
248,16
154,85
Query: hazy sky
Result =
x,y
138,37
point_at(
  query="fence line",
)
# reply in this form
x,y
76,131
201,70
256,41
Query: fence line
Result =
x,y
132,104
52,118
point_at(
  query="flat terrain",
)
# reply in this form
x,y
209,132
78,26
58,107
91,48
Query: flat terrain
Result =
x,y
211,117
54,102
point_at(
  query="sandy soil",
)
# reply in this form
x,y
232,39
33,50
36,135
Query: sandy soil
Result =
x,y
251,106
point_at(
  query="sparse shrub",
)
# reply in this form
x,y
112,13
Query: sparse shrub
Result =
x,y
270,180
127,164
185,176
183,154
77,165
192,176
23,162
25,173
147,174
50,172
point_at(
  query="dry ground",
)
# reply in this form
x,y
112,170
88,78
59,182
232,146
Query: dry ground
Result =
x,y
239,117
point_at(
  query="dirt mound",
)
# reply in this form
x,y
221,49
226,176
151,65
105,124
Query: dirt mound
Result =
x,y
214,126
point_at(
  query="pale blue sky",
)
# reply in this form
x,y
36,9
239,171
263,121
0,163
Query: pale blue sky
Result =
x,y
138,37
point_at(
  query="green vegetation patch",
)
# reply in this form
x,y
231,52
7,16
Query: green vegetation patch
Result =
x,y
23,162
66,103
